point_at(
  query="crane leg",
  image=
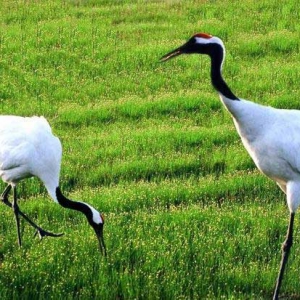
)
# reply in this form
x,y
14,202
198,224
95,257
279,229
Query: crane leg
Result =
x,y
285,254
4,196
16,210
41,232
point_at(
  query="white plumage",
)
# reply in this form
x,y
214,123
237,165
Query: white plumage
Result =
x,y
28,148
271,136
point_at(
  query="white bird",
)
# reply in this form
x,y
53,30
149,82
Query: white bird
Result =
x,y
28,148
271,136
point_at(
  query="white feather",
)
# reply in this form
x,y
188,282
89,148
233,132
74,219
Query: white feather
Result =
x,y
28,148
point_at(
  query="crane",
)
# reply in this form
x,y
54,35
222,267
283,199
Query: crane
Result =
x,y
271,136
29,149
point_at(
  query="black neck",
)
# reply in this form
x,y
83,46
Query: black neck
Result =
x,y
216,54
67,203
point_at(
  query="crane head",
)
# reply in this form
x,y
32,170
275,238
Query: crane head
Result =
x,y
201,43
98,228
94,217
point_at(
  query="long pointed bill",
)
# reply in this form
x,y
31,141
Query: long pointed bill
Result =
x,y
172,54
100,238
102,245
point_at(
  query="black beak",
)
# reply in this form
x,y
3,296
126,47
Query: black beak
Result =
x,y
172,54
99,233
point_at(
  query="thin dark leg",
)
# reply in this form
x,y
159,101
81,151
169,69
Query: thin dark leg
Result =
x,y
285,254
41,232
16,210
4,196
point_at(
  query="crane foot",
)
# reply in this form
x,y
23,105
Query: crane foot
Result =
x,y
42,233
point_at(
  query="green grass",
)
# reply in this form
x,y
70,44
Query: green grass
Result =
x,y
187,214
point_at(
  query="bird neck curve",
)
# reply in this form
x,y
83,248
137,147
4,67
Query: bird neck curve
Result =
x,y
217,55
92,215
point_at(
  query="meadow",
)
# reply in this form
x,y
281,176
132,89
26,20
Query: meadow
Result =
x,y
187,214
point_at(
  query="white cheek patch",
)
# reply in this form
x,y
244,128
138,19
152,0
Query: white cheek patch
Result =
x,y
212,40
97,218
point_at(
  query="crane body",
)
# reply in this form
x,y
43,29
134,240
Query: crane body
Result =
x,y
29,149
271,137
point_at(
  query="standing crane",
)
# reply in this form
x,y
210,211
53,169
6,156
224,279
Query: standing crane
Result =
x,y
28,148
271,136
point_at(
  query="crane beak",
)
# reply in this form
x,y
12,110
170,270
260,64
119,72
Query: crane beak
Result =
x,y
172,54
99,234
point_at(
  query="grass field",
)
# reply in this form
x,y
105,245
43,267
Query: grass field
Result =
x,y
187,214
